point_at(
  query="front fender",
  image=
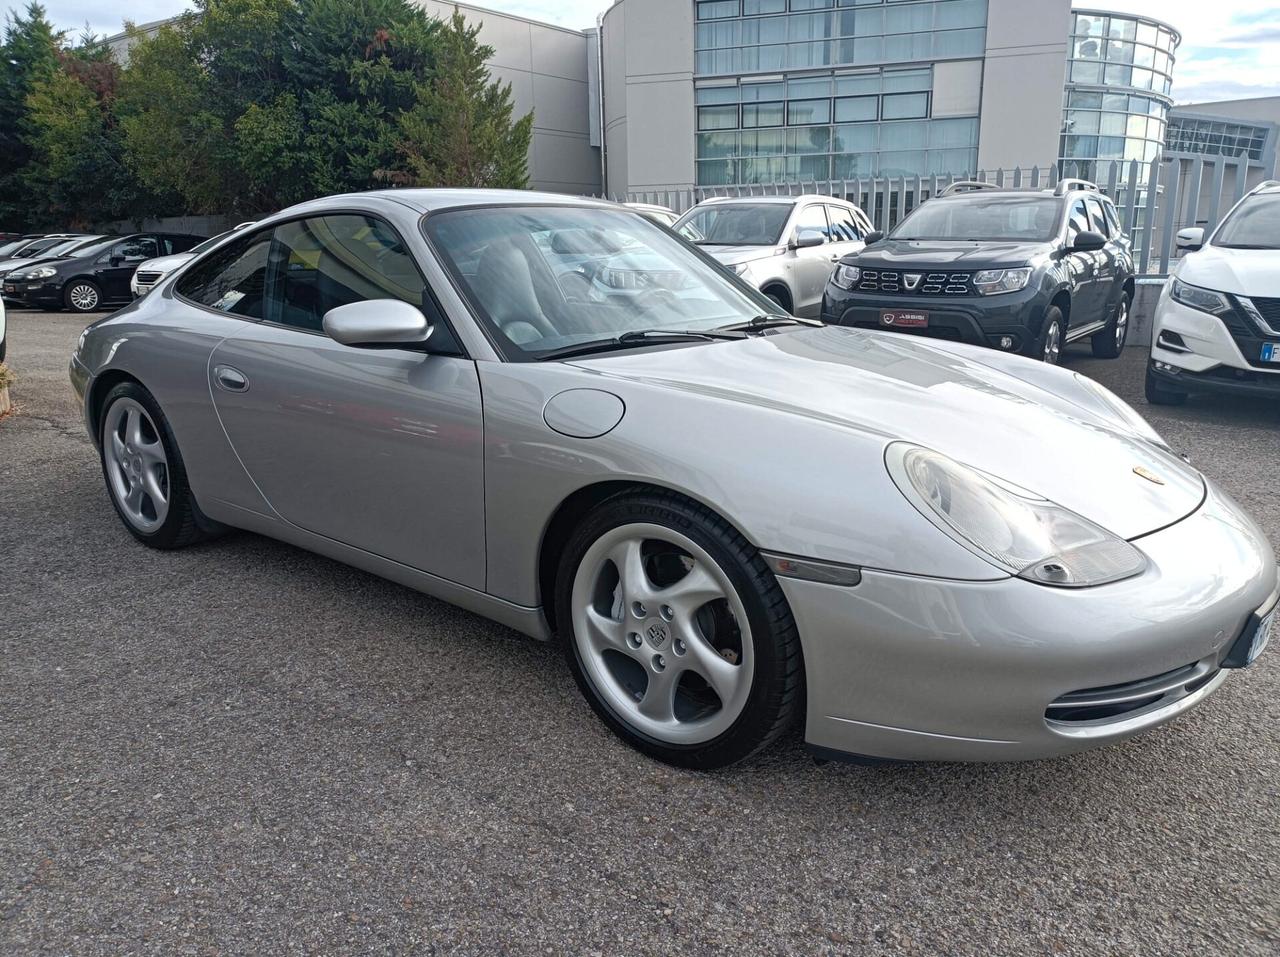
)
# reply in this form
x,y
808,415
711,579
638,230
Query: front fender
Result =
x,y
788,483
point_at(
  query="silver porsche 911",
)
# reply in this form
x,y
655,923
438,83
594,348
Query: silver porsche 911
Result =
x,y
561,416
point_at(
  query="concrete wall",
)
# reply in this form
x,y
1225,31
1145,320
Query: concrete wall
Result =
x,y
1023,82
648,91
547,68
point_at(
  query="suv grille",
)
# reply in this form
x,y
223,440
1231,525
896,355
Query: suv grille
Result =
x,y
1245,330
913,282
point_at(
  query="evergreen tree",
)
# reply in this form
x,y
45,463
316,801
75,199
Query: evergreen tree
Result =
x,y
29,56
460,131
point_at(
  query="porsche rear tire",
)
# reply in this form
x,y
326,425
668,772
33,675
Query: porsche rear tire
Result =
x,y
677,632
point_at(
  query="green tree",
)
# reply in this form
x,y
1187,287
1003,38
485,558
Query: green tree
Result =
x,y
29,54
77,175
460,130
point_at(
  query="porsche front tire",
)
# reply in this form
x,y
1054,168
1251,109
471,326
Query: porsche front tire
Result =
x,y
677,632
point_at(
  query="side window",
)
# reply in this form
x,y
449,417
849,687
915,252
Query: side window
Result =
x,y
328,261
814,217
1113,219
844,225
1077,222
136,249
231,279
1098,218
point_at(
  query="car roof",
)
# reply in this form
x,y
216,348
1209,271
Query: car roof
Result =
x,y
436,200
789,200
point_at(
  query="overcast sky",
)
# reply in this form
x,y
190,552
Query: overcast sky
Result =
x,y
1230,48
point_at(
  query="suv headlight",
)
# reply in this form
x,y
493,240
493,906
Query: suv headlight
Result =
x,y
991,281
1204,300
846,277
740,269
1015,530
44,272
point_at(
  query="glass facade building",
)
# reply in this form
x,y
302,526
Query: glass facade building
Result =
x,y
813,90
1119,74
1217,137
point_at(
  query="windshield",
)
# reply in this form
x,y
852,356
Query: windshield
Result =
x,y
94,247
735,224
983,217
1254,225
62,249
543,278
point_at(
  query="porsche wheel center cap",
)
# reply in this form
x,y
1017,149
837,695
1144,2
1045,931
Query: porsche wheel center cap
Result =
x,y
655,632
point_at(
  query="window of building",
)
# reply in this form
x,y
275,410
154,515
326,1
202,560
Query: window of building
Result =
x,y
715,9
762,114
857,109
900,106
717,117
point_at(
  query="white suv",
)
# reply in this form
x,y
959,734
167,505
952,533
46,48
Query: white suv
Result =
x,y
1217,324
785,246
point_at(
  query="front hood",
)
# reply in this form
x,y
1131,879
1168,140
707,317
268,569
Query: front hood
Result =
x,y
900,253
737,255
1056,442
165,264
1245,272
15,265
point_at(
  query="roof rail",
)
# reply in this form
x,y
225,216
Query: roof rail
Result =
x,y
1067,185
1266,184
966,186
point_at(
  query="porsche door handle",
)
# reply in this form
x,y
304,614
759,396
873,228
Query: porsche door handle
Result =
x,y
232,380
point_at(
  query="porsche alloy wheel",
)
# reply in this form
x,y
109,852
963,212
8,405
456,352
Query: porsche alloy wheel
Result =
x,y
686,650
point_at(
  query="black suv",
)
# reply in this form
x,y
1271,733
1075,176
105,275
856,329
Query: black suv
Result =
x,y
1018,270
90,277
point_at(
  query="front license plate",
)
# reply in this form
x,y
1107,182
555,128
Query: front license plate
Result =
x,y
898,319
1261,636
1271,352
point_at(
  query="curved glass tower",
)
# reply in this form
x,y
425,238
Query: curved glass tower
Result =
x,y
1119,73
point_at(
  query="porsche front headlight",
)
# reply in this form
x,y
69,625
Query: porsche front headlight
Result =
x,y
1016,530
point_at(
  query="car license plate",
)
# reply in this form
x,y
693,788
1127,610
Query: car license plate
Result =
x,y
898,319
1261,635
1271,352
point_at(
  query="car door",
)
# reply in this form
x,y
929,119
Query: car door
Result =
x,y
380,449
812,266
1083,267
114,268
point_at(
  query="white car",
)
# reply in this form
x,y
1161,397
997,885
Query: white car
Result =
x,y
785,246
4,342
1217,324
153,270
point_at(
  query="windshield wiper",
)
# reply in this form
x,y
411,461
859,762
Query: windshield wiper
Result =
x,y
769,321
637,337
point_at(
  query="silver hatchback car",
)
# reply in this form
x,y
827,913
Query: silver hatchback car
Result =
x,y
559,415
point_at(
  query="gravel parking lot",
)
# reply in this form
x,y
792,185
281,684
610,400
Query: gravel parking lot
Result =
x,y
246,748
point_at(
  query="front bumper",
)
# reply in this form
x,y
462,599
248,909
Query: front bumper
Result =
x,y
38,293
977,320
1193,351
929,669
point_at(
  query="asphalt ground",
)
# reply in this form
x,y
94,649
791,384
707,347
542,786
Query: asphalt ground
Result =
x,y
245,748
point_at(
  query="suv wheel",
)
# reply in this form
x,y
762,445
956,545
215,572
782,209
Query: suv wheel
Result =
x,y
1109,343
1048,346
1159,394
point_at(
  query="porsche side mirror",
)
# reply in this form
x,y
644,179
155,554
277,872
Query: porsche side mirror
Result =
x,y
807,238
1088,242
377,322
874,236
1191,238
